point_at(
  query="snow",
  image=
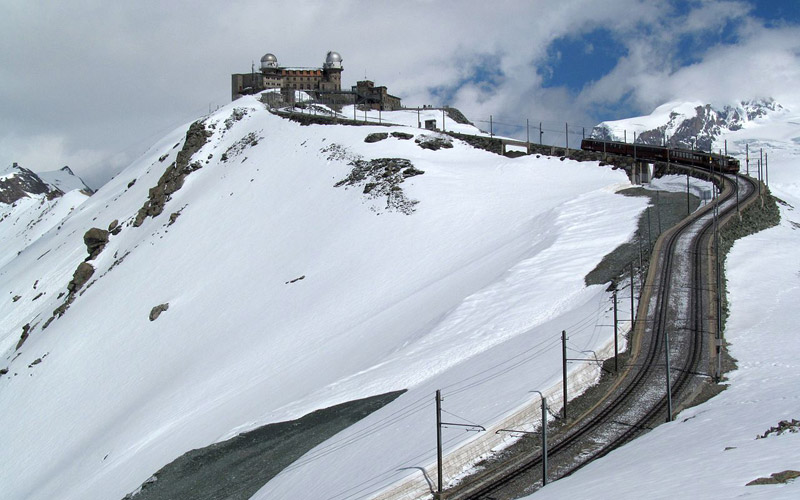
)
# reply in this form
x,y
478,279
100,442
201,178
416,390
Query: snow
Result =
x,y
29,218
64,179
711,451
468,294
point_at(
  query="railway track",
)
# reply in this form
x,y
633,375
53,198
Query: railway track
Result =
x,y
675,314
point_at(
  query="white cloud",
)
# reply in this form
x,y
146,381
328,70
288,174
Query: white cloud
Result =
x,y
103,76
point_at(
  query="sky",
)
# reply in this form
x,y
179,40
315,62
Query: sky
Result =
x,y
92,84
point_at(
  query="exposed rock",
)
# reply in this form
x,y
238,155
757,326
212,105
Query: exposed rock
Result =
x,y
783,426
411,172
434,142
25,334
240,146
15,298
157,310
114,228
131,183
457,116
173,177
402,136
296,280
21,184
236,115
95,240
776,478
80,277
35,362
377,136
173,217
381,177
3,371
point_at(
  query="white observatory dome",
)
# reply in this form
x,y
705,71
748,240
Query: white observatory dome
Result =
x,y
269,61
333,60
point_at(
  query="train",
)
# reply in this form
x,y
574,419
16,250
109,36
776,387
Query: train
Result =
x,y
710,161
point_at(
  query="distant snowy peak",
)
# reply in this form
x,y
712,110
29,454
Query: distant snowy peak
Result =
x,y
18,182
687,125
65,180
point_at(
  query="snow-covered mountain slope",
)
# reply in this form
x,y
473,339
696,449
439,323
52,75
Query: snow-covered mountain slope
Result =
x,y
712,450
302,267
31,204
65,180
690,124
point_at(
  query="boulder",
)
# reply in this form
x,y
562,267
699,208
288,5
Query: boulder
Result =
x,y
95,240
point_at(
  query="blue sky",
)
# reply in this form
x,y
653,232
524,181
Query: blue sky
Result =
x,y
92,84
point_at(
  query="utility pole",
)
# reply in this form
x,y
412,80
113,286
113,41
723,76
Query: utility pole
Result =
x,y
616,342
544,440
688,207
566,136
766,167
443,128
719,292
491,130
747,157
419,123
528,134
564,368
439,442
583,133
540,133
625,136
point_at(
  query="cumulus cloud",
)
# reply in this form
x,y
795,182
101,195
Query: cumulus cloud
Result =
x,y
99,79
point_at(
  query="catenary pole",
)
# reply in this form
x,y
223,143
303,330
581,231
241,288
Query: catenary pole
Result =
x,y
632,317
564,368
439,442
616,341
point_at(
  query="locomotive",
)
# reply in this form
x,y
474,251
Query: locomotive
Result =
x,y
710,161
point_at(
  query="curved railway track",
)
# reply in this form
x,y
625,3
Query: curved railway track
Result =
x,y
675,306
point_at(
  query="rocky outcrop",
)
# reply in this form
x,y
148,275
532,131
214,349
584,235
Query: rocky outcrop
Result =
x,y
25,333
157,310
776,478
172,179
95,240
20,182
457,116
700,129
382,177
434,142
376,137
80,277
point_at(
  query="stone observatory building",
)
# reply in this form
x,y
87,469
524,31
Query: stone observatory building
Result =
x,y
271,75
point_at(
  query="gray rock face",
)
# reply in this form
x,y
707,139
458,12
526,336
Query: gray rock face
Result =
x,y
21,185
382,177
80,277
434,142
172,179
699,130
157,310
377,136
95,240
